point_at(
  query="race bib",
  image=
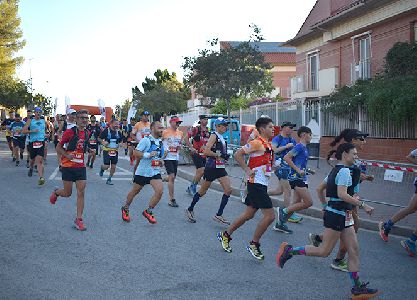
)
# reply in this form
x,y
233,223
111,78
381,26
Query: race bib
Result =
x,y
220,164
268,170
78,158
156,163
37,145
93,142
173,149
112,153
145,134
348,219
17,133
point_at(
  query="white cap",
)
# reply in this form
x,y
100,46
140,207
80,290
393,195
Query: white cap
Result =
x,y
71,111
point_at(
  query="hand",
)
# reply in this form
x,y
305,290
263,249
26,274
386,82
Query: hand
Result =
x,y
105,143
368,209
289,145
301,172
225,156
356,197
153,153
249,172
370,177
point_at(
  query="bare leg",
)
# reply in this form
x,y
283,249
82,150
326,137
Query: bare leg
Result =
x,y
267,219
80,185
66,191
245,216
158,188
171,180
136,188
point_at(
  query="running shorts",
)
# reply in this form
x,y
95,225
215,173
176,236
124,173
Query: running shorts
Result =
x,y
334,221
258,196
199,162
298,183
36,151
282,173
107,159
19,142
73,174
171,166
142,180
211,174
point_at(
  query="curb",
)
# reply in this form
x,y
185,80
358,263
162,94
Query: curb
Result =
x,y
312,211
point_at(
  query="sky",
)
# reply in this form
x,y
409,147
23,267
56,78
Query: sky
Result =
x,y
99,49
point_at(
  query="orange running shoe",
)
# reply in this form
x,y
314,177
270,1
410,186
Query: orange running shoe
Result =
x,y
149,215
125,214
79,225
53,197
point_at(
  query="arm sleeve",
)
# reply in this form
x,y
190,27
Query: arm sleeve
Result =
x,y
343,177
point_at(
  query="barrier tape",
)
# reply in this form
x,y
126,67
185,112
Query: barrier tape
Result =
x,y
387,166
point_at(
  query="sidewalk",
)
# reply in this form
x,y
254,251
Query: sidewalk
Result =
x,y
379,190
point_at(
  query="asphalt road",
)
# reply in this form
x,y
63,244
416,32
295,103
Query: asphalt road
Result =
x,y
43,257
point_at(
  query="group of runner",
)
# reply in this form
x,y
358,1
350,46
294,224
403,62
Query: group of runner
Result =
x,y
153,147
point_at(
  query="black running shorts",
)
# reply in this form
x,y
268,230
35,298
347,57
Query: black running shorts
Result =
x,y
258,196
74,174
19,142
211,174
298,183
334,221
142,180
36,151
171,166
107,159
199,162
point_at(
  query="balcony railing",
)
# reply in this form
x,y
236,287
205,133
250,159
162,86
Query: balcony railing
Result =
x,y
298,84
361,71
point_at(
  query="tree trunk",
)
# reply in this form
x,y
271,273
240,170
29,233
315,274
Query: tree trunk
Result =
x,y
229,127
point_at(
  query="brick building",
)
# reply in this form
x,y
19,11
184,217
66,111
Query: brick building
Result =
x,y
344,40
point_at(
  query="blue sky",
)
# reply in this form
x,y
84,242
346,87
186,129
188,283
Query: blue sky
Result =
x,y
91,49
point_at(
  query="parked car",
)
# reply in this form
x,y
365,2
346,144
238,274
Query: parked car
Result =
x,y
234,126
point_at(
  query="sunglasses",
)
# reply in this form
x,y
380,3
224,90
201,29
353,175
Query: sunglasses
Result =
x,y
362,139
83,118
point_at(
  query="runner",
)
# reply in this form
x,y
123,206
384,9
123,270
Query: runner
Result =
x,y
72,148
103,126
18,138
7,123
385,227
126,130
297,159
110,139
282,144
55,123
35,128
139,131
151,152
338,221
216,153
258,170
30,115
94,133
200,136
357,138
131,142
172,140
49,131
67,122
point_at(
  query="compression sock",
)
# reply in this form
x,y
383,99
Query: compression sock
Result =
x,y
194,202
354,277
225,199
298,251
413,237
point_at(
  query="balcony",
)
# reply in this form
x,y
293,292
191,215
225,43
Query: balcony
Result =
x,y
362,70
319,85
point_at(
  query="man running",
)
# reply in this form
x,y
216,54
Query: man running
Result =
x,y
126,130
30,115
151,152
94,133
297,159
199,135
72,148
139,131
216,153
49,131
131,142
258,170
18,138
35,128
385,227
172,140
282,144
7,123
110,139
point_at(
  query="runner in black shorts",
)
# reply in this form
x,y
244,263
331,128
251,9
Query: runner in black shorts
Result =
x,y
19,138
216,153
94,132
338,221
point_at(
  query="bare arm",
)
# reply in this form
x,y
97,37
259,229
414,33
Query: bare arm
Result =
x,y
288,160
321,192
25,129
209,145
343,195
240,158
61,150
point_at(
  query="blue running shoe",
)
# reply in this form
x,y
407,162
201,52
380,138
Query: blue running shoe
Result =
x,y
409,246
282,228
193,188
282,216
101,172
189,191
295,218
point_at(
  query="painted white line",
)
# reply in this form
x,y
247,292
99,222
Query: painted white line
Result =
x,y
54,173
118,174
119,179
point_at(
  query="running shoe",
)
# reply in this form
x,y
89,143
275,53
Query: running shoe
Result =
x,y
27,164
30,173
53,197
14,159
282,216
382,233
101,172
125,214
21,155
173,203
225,240
17,163
189,192
149,216
190,216
255,250
79,225
409,246
362,292
108,181
282,228
340,265
283,254
221,220
41,181
295,218
314,239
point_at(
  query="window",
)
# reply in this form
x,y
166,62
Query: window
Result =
x,y
365,58
414,32
313,72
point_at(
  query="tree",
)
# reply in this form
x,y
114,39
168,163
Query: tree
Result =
x,y
122,110
235,104
42,101
10,38
13,93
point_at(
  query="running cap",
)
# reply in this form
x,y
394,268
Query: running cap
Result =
x,y
288,124
145,113
38,109
221,121
71,111
203,117
357,133
175,119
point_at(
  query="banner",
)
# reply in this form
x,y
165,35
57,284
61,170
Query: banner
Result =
x,y
131,113
101,107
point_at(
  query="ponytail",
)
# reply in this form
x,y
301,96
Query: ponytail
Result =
x,y
343,148
346,135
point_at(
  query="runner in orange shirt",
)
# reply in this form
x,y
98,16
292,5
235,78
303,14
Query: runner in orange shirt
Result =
x,y
172,140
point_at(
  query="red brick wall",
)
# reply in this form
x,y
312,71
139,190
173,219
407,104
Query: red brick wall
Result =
x,y
394,150
282,79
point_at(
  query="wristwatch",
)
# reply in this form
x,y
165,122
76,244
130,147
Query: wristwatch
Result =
x,y
362,204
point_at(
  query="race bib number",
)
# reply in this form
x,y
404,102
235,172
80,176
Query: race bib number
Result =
x,y
78,158
112,153
220,164
156,163
17,133
348,219
37,145
173,149
268,170
93,142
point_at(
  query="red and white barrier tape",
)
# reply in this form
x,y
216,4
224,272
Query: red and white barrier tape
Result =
x,y
387,166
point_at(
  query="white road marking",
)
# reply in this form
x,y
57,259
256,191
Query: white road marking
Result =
x,y
54,174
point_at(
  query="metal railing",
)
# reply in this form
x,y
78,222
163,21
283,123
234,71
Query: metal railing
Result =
x,y
361,71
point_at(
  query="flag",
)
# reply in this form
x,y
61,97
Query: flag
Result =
x,y
101,107
131,113
67,103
